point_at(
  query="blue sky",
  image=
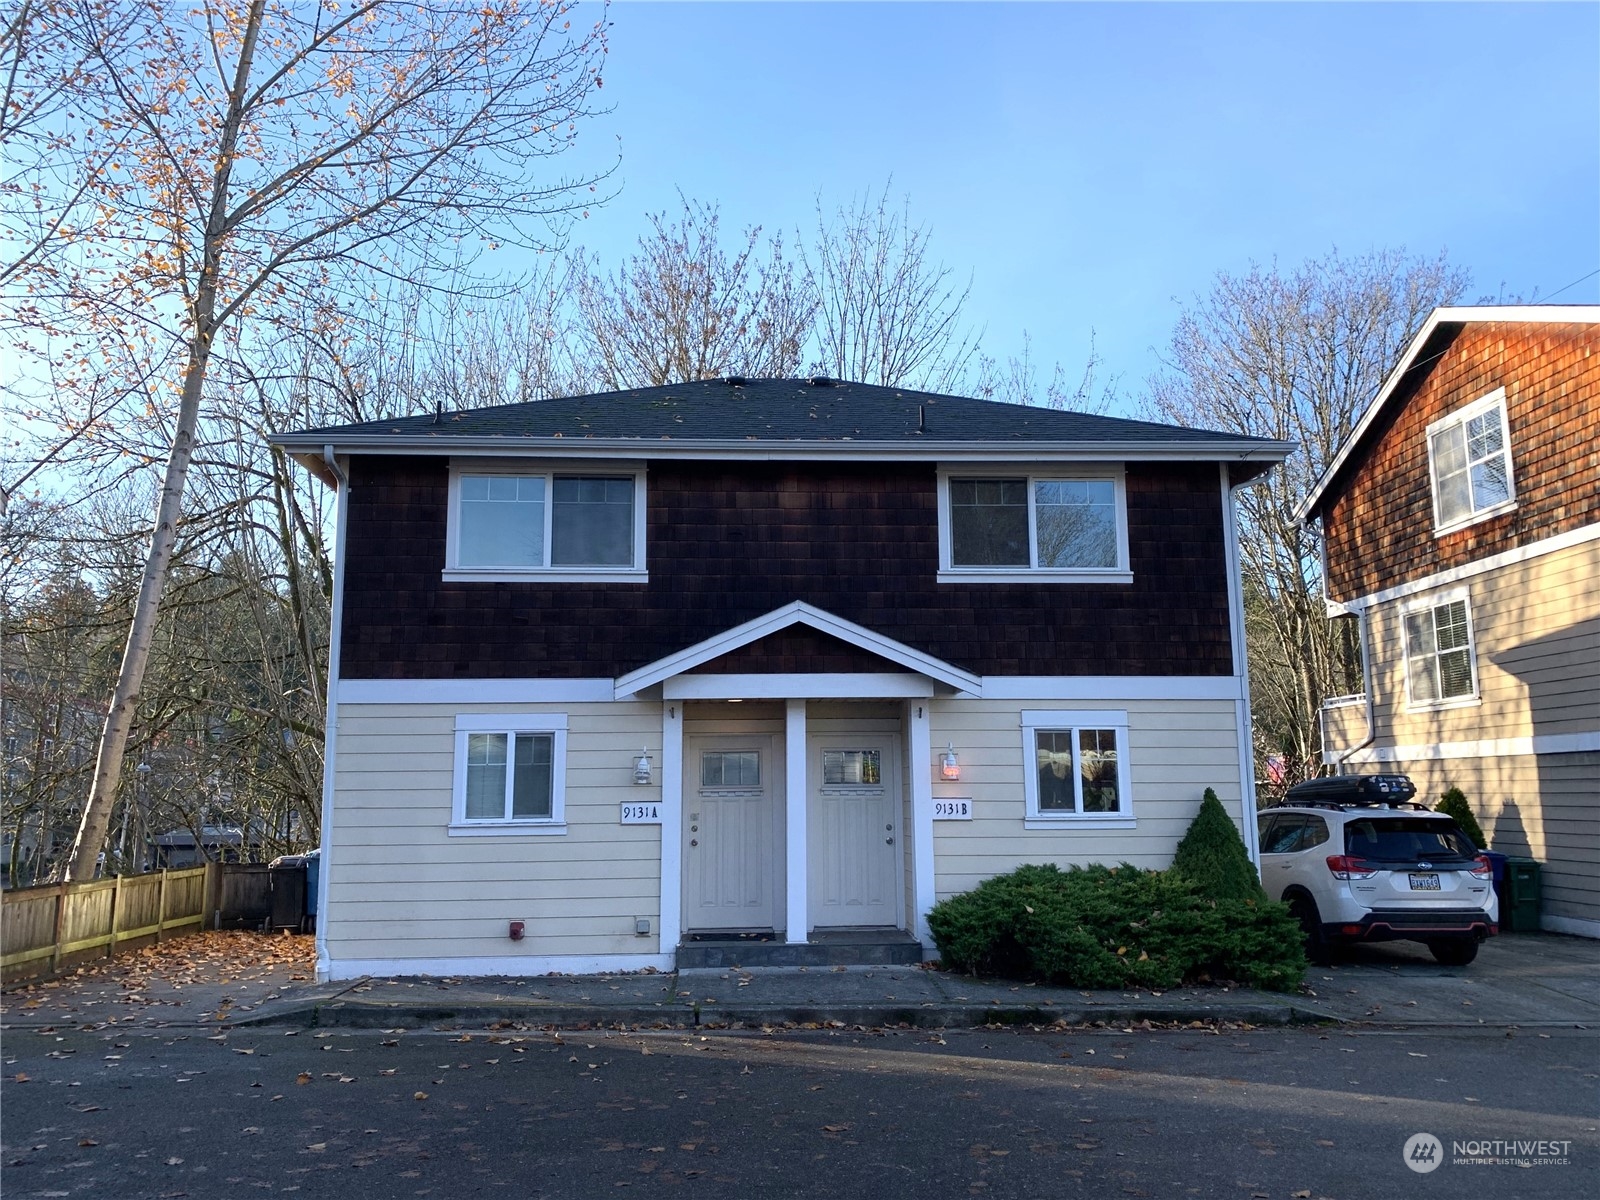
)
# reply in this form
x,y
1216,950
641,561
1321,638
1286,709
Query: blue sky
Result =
x,y
1093,165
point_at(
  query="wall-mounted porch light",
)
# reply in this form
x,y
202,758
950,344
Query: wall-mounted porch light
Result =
x,y
641,768
949,765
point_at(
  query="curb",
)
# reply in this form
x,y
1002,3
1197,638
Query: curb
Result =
x,y
370,1015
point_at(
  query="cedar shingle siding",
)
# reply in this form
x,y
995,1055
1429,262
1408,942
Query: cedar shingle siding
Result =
x,y
1379,523
730,542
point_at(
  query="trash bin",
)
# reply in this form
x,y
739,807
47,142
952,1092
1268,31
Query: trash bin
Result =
x,y
1519,899
313,879
287,875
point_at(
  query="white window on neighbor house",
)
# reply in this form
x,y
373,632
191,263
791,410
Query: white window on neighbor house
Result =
x,y
1441,670
1469,460
555,525
1002,526
1075,769
510,775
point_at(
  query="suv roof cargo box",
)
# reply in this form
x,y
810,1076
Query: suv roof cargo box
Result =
x,y
1353,789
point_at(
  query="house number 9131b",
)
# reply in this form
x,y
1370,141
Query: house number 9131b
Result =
x,y
641,814
952,810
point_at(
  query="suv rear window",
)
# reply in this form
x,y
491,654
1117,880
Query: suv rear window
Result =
x,y
1406,840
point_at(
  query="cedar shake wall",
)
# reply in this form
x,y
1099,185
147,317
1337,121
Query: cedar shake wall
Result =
x,y
1379,526
728,542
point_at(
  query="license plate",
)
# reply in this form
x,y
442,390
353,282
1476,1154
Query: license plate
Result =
x,y
1424,883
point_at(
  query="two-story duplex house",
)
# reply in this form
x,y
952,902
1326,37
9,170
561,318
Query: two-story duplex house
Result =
x,y
625,678
1461,526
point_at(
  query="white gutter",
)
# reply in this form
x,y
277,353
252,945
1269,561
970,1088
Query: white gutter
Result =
x,y
796,450
330,723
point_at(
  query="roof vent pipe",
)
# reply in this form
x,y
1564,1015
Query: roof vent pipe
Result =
x,y
821,381
922,419
734,380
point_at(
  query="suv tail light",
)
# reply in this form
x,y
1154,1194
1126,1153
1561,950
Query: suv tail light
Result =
x,y
1482,868
1345,866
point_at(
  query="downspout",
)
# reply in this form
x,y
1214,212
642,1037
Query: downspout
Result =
x,y
1364,615
1364,632
1241,666
330,724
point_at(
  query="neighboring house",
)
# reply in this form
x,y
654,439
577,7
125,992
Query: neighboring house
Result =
x,y
639,673
219,843
1461,526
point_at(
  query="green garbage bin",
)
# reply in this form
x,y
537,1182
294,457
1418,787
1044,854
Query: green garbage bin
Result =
x,y
1519,905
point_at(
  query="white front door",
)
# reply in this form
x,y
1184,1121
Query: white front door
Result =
x,y
730,834
855,844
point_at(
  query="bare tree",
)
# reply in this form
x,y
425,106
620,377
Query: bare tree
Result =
x,y
887,314
685,308
1296,356
226,167
1016,381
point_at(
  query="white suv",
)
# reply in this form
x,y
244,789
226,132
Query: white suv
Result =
x,y
1355,861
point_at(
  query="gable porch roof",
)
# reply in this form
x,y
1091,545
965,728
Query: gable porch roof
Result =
x,y
913,661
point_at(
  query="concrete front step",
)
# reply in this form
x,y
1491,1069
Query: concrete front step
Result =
x,y
831,948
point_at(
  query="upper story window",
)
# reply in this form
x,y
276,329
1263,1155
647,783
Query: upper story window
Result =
x,y
577,525
1002,526
1469,459
1440,667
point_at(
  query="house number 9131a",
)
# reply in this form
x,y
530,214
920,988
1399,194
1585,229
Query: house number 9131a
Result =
x,y
641,814
952,810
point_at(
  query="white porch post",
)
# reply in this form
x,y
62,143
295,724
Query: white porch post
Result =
x,y
671,825
921,756
794,803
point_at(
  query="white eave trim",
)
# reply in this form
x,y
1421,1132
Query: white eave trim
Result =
x,y
797,449
1531,314
797,613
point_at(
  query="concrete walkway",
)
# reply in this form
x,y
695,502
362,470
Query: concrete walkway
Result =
x,y
1524,980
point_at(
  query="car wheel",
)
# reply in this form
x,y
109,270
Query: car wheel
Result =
x,y
1454,952
1318,948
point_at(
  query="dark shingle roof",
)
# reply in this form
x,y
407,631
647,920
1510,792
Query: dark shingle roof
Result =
x,y
783,410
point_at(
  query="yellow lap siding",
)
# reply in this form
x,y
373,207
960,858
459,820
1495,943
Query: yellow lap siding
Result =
x,y
1176,749
401,887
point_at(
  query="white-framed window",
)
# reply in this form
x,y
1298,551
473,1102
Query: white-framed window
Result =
x,y
1002,525
573,523
1075,768
1469,463
510,774
1441,667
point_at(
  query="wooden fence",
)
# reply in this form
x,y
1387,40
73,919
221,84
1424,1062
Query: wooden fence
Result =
x,y
42,928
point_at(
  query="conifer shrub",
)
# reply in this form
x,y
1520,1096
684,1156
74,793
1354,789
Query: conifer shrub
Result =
x,y
1115,927
1213,856
1454,803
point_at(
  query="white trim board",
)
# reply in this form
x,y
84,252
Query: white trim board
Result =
x,y
331,703
865,685
796,613
846,685
476,691
1111,688
1506,558
1511,747
501,964
1573,925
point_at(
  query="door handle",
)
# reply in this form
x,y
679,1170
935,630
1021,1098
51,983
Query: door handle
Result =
x,y
694,841
888,841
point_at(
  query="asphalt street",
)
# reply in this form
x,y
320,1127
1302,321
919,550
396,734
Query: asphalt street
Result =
x,y
1299,1112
